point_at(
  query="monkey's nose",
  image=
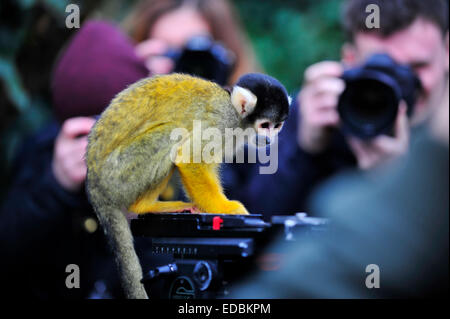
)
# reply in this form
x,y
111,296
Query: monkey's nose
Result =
x,y
267,140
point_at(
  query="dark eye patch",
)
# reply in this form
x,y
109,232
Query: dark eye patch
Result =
x,y
265,125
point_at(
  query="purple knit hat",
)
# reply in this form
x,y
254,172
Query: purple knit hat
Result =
x,y
98,63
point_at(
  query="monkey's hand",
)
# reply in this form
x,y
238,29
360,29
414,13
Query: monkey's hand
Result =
x,y
233,207
202,184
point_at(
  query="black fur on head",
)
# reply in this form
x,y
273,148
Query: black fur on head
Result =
x,y
272,98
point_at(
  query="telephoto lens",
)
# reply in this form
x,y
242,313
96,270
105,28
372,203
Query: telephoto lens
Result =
x,y
369,104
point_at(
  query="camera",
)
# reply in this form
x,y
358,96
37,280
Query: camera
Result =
x,y
369,104
208,253
203,57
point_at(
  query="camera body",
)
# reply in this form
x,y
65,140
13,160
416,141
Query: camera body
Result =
x,y
369,104
203,57
208,253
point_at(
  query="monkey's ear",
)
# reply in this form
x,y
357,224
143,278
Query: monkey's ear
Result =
x,y
243,100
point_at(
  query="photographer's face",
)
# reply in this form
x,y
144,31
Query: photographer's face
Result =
x,y
171,30
421,46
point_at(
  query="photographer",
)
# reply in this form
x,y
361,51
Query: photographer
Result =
x,y
314,144
404,236
161,26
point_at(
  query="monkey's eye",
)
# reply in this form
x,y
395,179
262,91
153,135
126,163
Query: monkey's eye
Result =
x,y
264,125
278,125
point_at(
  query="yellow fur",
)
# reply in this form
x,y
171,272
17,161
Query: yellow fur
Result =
x,y
202,184
130,143
129,157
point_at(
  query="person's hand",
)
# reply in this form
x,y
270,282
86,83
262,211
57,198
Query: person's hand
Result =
x,y
68,164
151,52
383,148
318,101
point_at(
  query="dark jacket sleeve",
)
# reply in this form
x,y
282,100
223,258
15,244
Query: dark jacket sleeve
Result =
x,y
396,219
42,231
36,204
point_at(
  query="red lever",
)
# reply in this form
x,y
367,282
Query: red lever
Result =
x,y
217,223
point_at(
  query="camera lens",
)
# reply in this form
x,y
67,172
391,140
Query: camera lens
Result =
x,y
205,58
199,63
368,107
369,104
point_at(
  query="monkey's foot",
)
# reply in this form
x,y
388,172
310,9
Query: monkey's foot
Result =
x,y
163,207
192,210
231,207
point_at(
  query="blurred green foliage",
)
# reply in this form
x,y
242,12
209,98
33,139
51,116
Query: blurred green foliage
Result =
x,y
287,36
290,35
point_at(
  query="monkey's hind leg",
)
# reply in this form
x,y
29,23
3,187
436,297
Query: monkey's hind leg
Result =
x,y
202,184
148,203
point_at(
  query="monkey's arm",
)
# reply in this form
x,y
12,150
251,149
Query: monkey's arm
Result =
x,y
202,184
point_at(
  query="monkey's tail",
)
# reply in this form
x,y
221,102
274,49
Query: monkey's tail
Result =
x,y
119,234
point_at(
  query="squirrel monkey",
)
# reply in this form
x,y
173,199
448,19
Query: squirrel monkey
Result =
x,y
129,151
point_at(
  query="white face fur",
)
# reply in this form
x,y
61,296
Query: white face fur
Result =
x,y
244,102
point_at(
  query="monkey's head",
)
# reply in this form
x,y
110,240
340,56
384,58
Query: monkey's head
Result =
x,y
263,104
